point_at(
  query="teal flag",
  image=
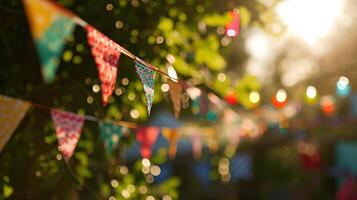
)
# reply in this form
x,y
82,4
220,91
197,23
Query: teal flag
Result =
x,y
51,45
147,77
110,134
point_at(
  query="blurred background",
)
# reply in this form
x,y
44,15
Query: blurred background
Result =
x,y
267,113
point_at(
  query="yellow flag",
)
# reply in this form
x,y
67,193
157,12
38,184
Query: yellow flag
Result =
x,y
172,136
12,111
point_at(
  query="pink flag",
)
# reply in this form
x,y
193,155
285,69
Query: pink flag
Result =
x,y
68,130
106,54
196,140
147,137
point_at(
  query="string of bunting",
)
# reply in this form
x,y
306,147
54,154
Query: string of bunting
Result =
x,y
69,126
51,24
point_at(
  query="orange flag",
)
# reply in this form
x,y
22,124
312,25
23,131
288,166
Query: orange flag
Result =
x,y
175,93
12,111
172,136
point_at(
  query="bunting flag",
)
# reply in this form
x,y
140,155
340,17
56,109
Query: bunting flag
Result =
x,y
147,77
12,111
172,136
106,54
175,93
196,143
166,173
147,137
68,130
50,26
110,134
241,167
201,171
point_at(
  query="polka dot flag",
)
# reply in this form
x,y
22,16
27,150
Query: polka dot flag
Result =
x,y
110,134
147,77
106,54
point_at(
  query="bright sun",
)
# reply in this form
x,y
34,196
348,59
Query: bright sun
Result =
x,y
311,20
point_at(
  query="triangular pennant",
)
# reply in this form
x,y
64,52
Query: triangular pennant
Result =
x,y
50,26
196,141
68,130
106,54
12,111
147,77
172,136
175,93
110,134
147,137
202,171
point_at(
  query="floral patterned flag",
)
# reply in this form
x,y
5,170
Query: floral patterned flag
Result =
x,y
12,111
50,26
68,130
147,137
106,54
172,136
110,134
175,93
147,77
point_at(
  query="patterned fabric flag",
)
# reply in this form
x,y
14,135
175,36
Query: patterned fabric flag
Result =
x,y
172,136
241,167
12,111
147,77
166,173
175,93
50,26
110,134
201,171
147,137
106,54
68,130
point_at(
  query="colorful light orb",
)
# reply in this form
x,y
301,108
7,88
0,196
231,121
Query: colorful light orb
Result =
x,y
343,88
193,92
280,98
232,28
328,105
231,98
254,97
311,95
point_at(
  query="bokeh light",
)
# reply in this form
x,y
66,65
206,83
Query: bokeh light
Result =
x,y
310,20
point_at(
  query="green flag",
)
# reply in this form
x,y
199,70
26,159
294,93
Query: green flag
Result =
x,y
110,134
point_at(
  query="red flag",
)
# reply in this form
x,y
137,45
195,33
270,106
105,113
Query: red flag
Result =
x,y
147,137
106,54
68,130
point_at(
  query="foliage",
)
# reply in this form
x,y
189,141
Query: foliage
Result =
x,y
187,30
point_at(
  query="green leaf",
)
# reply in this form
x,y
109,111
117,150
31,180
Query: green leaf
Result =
x,y
165,25
216,19
245,16
8,190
